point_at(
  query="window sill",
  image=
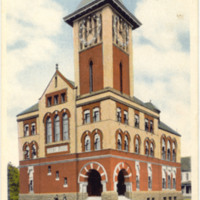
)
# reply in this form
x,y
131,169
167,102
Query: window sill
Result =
x,y
49,174
65,186
57,179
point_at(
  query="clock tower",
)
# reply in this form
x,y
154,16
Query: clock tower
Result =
x,y
103,46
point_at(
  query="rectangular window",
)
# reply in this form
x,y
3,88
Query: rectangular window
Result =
x,y
149,183
119,114
153,199
56,100
96,115
49,170
65,181
31,186
63,98
86,117
164,183
164,198
57,175
33,131
148,198
174,183
137,182
169,182
137,121
174,198
26,130
146,125
49,101
170,198
151,126
125,117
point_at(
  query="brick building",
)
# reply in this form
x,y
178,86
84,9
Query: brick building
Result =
x,y
93,137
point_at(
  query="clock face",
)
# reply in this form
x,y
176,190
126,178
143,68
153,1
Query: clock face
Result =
x,y
89,30
120,32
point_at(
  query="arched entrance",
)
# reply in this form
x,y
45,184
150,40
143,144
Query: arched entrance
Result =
x,y
121,187
94,187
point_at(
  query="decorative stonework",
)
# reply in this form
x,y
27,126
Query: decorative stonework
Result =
x,y
120,32
90,30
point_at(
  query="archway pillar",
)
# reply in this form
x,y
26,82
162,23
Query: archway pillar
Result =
x,y
83,187
109,195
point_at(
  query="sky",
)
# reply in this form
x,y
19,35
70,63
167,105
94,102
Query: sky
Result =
x,y
38,38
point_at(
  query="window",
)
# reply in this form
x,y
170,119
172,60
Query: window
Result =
x,y
96,116
164,183
174,152
63,98
153,198
170,198
126,143
87,143
49,170
163,149
151,126
57,128
119,142
147,148
97,141
86,116
137,145
169,181
137,182
56,100
164,198
148,198
119,115
34,151
57,175
91,76
26,130
121,77
174,183
27,152
65,182
149,182
174,198
125,117
152,150
168,150
49,101
137,121
49,130
65,127
33,131
137,169
31,186
146,125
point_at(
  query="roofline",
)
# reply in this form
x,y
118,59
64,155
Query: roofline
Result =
x,y
93,5
177,134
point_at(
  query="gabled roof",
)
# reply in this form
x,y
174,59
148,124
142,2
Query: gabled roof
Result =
x,y
31,109
186,164
89,5
165,127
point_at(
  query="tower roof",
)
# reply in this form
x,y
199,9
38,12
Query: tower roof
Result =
x,y
86,6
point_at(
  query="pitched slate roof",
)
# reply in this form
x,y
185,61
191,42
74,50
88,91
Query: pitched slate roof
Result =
x,y
86,2
152,107
186,164
165,127
31,109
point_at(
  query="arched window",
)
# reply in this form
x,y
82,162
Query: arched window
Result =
x,y
57,128
168,150
27,152
96,116
163,149
126,143
87,143
147,148
65,127
34,151
91,76
174,151
121,77
49,130
119,142
97,142
152,149
137,145
169,181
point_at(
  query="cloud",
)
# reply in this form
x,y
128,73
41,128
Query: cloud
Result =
x,y
162,67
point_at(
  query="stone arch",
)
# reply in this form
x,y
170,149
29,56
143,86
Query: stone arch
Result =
x,y
83,175
127,176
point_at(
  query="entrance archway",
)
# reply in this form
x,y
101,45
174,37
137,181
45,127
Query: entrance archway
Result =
x,y
94,187
121,187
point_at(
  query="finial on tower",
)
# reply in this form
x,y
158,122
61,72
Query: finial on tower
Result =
x,y
56,67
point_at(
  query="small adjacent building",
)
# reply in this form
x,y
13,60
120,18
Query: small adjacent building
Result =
x,y
186,177
93,137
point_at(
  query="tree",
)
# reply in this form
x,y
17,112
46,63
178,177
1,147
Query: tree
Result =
x,y
13,182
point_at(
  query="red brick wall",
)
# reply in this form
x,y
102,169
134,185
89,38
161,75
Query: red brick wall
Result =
x,y
121,57
95,55
24,181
